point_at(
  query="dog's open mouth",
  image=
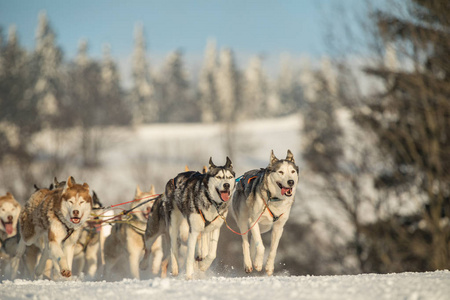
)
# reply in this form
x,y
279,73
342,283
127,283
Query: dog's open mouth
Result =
x,y
8,227
75,220
224,195
285,190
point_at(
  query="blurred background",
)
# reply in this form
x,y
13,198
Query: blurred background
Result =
x,y
120,93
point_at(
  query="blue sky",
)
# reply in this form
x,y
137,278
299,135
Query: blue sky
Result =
x,y
248,27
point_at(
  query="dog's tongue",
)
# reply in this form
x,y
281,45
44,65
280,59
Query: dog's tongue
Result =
x,y
9,228
225,196
284,190
75,220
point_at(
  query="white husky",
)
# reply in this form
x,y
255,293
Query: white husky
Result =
x,y
262,201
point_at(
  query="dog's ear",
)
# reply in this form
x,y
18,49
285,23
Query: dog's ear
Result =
x,y
205,170
186,168
152,190
73,180
68,184
55,181
95,199
86,186
290,156
229,164
138,190
211,164
9,194
273,158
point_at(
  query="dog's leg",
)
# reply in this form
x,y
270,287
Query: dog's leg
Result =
x,y
190,257
91,260
277,231
69,249
134,262
243,227
16,260
58,257
173,232
157,255
39,270
252,248
259,257
212,238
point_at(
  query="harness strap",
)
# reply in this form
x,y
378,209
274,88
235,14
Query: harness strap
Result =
x,y
69,233
205,220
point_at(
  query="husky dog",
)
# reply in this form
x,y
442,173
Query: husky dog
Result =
x,y
9,216
127,239
88,245
56,216
202,200
263,199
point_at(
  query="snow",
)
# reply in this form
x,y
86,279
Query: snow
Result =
x,y
408,286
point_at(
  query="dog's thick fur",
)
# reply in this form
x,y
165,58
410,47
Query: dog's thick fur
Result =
x,y
56,216
271,190
127,240
200,199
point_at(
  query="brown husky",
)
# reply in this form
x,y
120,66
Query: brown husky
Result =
x,y
56,216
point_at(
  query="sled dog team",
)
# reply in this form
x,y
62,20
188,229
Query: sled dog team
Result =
x,y
55,230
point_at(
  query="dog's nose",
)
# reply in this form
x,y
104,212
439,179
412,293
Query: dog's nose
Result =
x,y
76,213
226,186
10,218
291,182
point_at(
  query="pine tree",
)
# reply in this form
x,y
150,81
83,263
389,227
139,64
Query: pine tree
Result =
x,y
256,91
111,93
18,120
412,121
207,85
145,108
85,107
228,88
175,102
46,73
289,87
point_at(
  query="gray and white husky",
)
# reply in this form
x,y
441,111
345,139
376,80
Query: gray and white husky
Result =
x,y
200,199
263,199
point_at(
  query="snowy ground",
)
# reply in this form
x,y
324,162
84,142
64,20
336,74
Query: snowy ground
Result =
x,y
408,286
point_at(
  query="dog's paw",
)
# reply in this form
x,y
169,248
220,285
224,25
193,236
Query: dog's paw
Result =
x,y
66,273
248,269
269,271
198,258
258,267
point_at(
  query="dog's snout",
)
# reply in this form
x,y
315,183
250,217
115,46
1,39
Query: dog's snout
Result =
x,y
76,213
291,182
10,218
226,186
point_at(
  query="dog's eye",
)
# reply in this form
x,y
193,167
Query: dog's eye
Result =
x,y
218,177
281,172
293,171
82,202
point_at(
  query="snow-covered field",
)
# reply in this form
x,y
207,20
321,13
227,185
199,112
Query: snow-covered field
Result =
x,y
405,286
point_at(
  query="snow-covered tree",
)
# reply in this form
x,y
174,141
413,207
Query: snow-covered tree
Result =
x,y
18,120
228,88
111,93
46,72
289,87
207,84
145,108
176,105
256,90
